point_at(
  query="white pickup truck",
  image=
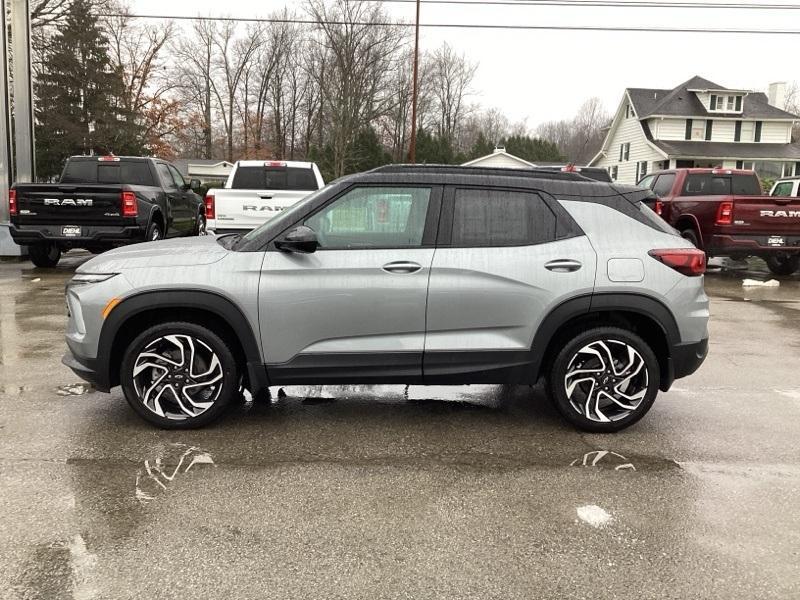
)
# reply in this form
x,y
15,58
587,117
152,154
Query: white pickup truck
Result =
x,y
787,187
256,191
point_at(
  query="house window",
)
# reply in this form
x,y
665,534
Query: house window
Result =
x,y
614,172
688,135
738,104
740,164
725,103
731,104
757,135
713,102
709,129
737,132
628,151
641,169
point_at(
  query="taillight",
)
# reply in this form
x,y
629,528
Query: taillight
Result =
x,y
659,208
130,207
211,211
12,202
688,261
725,213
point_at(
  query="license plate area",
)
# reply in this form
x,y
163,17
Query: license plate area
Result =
x,y
71,231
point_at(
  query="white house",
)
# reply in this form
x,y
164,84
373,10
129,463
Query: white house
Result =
x,y
204,170
500,158
700,124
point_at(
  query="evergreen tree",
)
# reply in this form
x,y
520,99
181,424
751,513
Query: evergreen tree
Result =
x,y
532,149
481,147
80,97
434,149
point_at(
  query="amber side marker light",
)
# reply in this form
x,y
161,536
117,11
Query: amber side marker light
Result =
x,y
110,306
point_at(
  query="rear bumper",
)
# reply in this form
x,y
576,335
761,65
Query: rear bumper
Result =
x,y
86,369
755,245
25,235
684,360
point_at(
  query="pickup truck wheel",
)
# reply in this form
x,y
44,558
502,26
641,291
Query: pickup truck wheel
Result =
x,y
154,232
604,379
783,265
45,256
200,227
691,235
179,375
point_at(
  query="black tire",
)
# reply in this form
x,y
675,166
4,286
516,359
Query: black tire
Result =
x,y
783,265
585,375
154,232
691,235
219,394
45,256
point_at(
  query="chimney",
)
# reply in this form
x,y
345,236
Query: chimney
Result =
x,y
499,149
777,94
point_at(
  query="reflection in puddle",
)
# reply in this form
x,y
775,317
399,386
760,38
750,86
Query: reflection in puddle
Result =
x,y
156,475
604,459
74,389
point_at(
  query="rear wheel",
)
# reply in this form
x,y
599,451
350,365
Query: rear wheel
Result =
x,y
604,379
783,264
179,375
200,226
154,232
691,235
45,255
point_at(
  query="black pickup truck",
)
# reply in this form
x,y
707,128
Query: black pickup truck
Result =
x,y
102,202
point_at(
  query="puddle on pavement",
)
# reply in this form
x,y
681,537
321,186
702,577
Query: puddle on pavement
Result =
x,y
74,389
604,459
158,474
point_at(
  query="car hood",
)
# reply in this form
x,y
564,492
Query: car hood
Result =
x,y
181,252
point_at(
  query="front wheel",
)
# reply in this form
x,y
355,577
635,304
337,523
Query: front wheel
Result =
x,y
179,375
45,256
783,265
604,379
200,227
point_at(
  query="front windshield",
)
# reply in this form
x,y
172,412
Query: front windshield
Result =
x,y
285,215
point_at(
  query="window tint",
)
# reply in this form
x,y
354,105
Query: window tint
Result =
x,y
274,178
706,185
166,177
373,217
664,185
746,185
501,218
784,188
94,171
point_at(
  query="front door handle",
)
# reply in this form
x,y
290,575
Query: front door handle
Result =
x,y
563,265
402,266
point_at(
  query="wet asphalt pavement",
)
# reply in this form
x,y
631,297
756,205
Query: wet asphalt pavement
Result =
x,y
383,492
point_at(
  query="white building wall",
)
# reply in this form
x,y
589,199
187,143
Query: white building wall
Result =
x,y
498,159
628,131
724,130
668,129
775,132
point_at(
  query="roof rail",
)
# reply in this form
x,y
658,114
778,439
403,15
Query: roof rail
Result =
x,y
528,173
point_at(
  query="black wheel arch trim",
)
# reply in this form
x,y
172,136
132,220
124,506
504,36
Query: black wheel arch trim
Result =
x,y
214,302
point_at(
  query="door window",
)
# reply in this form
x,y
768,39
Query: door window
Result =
x,y
177,177
373,217
784,188
166,177
664,185
486,217
646,182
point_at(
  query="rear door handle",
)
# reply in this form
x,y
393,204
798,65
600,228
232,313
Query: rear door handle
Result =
x,y
265,196
402,266
563,265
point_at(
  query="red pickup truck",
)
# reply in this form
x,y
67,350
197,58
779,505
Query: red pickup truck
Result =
x,y
725,213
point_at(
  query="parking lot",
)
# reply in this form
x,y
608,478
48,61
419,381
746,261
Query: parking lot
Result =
x,y
388,492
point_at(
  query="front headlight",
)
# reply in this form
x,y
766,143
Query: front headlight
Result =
x,y
84,278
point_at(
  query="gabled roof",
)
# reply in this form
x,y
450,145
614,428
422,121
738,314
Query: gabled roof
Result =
x,y
498,152
680,102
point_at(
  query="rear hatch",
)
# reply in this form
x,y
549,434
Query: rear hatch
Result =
x,y
69,204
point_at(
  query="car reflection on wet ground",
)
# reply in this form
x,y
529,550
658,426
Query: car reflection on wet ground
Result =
x,y
394,491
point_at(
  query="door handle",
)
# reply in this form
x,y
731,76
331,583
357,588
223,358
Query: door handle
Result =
x,y
265,196
402,266
563,265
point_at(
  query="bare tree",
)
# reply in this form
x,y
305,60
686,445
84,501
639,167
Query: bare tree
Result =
x,y
451,76
578,138
362,53
793,106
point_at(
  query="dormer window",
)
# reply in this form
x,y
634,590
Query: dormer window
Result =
x,y
729,103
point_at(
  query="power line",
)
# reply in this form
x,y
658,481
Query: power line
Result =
x,y
610,4
597,28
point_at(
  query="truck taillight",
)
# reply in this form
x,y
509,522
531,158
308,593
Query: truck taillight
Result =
x,y
12,202
659,208
211,211
130,207
688,261
725,213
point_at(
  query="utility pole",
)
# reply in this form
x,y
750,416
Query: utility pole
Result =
x,y
412,146
7,245
23,90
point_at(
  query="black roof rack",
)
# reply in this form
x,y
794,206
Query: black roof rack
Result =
x,y
528,173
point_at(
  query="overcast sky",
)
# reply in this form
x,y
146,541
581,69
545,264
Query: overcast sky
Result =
x,y
542,75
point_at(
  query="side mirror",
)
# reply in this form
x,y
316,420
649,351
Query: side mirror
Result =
x,y
301,239
194,184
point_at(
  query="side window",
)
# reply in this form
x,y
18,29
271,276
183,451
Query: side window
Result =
x,y
647,182
487,217
373,217
664,185
166,177
177,177
784,188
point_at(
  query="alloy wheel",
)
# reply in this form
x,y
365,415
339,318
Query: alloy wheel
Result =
x,y
177,377
606,380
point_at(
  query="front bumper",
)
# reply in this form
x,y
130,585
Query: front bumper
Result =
x,y
25,235
87,370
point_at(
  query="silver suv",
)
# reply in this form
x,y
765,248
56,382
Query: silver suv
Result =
x,y
411,275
